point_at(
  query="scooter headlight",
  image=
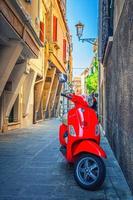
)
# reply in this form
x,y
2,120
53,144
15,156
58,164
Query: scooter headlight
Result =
x,y
97,130
72,131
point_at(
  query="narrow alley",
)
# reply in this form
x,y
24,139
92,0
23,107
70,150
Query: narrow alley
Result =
x,y
32,168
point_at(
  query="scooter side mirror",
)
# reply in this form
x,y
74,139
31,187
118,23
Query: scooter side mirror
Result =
x,y
96,94
90,101
62,78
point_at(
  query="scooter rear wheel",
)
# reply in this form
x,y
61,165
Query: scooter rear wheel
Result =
x,y
89,171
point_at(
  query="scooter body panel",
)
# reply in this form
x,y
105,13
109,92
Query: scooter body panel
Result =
x,y
80,143
83,133
84,121
88,146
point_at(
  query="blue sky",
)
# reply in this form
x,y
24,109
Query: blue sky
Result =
x,y
85,11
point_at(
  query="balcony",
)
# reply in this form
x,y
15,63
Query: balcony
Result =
x,y
54,58
53,47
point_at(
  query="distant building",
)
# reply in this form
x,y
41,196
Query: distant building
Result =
x,y
77,84
116,79
84,75
89,70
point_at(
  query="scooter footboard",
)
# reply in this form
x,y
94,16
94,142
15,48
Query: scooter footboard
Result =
x,y
88,146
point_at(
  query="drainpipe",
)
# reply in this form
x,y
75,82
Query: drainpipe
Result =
x,y
39,9
99,54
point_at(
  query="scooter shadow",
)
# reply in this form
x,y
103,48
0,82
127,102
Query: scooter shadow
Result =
x,y
67,169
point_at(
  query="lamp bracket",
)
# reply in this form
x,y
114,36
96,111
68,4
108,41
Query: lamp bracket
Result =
x,y
90,40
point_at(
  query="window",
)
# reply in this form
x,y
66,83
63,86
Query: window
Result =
x,y
28,1
54,29
13,117
64,50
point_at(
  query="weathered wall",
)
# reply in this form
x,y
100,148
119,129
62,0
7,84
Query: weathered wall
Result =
x,y
119,92
33,10
118,7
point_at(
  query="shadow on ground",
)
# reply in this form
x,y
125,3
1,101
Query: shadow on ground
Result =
x,y
32,168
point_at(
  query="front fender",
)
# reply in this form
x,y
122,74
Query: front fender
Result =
x,y
88,146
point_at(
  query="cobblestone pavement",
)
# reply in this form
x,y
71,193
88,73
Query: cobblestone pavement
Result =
x,y
32,168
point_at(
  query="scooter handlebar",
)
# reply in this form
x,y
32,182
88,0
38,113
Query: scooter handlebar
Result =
x,y
67,96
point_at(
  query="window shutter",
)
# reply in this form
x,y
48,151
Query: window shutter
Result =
x,y
42,31
54,28
64,50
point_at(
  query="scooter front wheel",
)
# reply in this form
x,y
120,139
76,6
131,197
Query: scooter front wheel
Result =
x,y
89,171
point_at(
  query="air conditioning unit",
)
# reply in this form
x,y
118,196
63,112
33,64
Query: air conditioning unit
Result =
x,y
28,1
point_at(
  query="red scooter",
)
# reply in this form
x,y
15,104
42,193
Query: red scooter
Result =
x,y
79,137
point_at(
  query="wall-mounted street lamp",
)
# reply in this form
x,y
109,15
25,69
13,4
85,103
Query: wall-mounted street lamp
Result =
x,y
80,29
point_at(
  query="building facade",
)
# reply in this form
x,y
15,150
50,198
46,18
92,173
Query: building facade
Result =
x,y
116,76
76,82
84,75
59,54
34,46
89,70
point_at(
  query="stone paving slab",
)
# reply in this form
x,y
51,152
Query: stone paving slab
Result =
x,y
32,168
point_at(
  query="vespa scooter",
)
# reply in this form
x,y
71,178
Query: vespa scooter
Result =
x,y
79,137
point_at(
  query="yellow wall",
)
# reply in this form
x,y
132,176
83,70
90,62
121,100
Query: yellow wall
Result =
x,y
61,32
33,10
39,64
